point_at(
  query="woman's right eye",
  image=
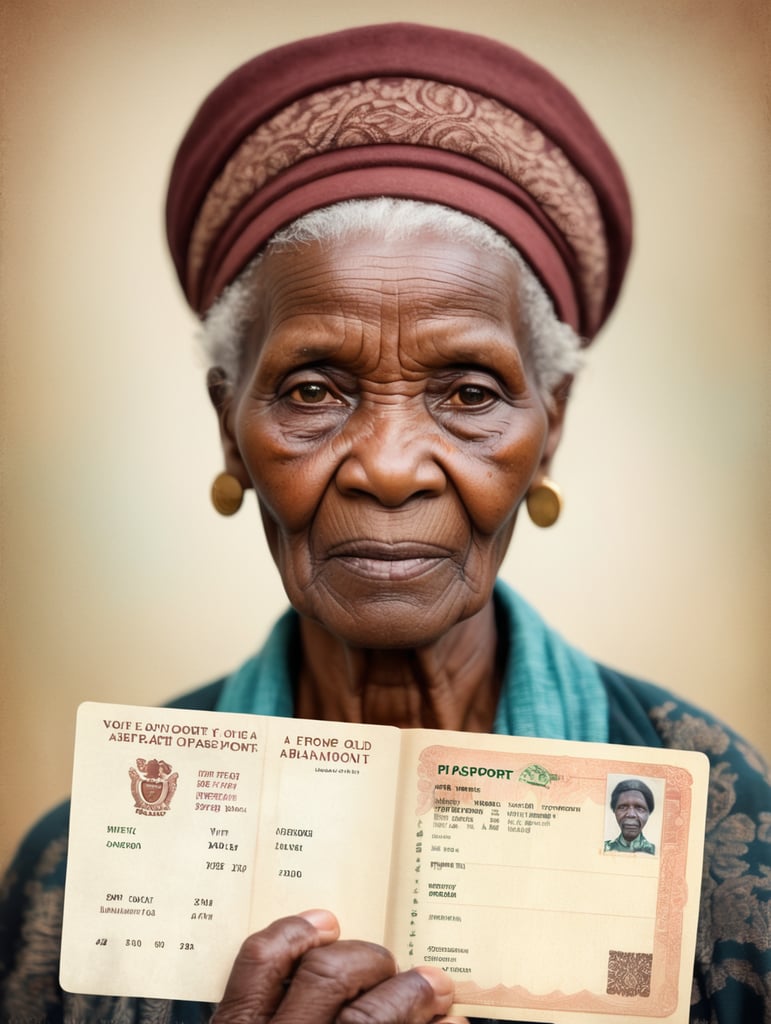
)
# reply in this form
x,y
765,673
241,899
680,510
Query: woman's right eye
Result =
x,y
312,392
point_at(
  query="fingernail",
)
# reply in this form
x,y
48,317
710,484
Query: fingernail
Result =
x,y
323,921
441,983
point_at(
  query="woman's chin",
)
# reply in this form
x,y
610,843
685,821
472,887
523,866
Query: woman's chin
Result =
x,y
411,605
392,622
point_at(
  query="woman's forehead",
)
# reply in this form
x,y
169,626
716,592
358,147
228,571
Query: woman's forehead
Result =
x,y
368,278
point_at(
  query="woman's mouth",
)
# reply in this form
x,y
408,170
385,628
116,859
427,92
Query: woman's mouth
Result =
x,y
395,562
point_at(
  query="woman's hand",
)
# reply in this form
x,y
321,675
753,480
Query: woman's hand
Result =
x,y
297,970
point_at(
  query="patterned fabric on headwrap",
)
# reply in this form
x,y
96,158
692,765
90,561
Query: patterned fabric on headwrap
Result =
x,y
406,111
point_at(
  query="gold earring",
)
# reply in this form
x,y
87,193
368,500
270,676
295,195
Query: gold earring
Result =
x,y
226,494
544,503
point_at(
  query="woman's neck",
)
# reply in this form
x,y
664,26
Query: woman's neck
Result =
x,y
452,683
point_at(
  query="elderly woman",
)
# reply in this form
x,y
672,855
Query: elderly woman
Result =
x,y
399,238
632,804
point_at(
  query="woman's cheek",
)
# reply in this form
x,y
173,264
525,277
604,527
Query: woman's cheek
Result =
x,y
290,488
492,492
290,555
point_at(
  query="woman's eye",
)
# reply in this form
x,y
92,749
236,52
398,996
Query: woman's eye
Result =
x,y
311,393
471,395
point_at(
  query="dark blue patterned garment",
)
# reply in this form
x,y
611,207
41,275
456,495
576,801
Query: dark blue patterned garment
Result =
x,y
733,956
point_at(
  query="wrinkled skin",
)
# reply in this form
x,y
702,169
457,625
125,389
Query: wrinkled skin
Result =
x,y
297,970
631,813
388,420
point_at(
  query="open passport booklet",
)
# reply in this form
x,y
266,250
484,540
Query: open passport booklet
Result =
x,y
496,858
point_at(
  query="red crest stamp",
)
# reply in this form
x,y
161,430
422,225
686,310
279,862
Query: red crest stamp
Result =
x,y
152,786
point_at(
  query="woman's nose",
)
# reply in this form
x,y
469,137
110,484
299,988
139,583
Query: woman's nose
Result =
x,y
392,457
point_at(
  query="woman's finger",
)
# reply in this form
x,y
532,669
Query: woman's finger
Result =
x,y
267,961
412,997
296,971
330,977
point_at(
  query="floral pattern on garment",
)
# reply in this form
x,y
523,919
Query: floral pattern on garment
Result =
x,y
733,947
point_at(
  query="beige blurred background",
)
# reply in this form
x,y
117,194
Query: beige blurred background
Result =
x,y
120,583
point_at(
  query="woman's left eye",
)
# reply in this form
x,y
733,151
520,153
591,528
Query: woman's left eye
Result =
x,y
470,395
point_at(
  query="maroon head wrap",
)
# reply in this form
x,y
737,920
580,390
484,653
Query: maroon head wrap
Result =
x,y
406,111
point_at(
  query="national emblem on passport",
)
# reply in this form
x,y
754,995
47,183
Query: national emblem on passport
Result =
x,y
152,786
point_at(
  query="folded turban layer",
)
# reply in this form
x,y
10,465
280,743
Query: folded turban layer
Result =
x,y
407,111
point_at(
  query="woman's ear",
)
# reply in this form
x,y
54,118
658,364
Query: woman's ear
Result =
x,y
221,396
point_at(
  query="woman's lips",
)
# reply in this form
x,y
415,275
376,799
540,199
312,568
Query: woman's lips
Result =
x,y
397,561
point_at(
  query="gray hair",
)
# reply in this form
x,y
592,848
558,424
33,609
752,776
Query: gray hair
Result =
x,y
554,345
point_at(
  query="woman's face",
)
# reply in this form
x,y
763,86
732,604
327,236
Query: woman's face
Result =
x,y
389,421
631,814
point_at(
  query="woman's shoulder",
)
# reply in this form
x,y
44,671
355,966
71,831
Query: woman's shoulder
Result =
x,y
642,712
31,897
733,954
31,902
41,846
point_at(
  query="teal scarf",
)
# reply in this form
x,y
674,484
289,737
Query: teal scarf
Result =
x,y
550,689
